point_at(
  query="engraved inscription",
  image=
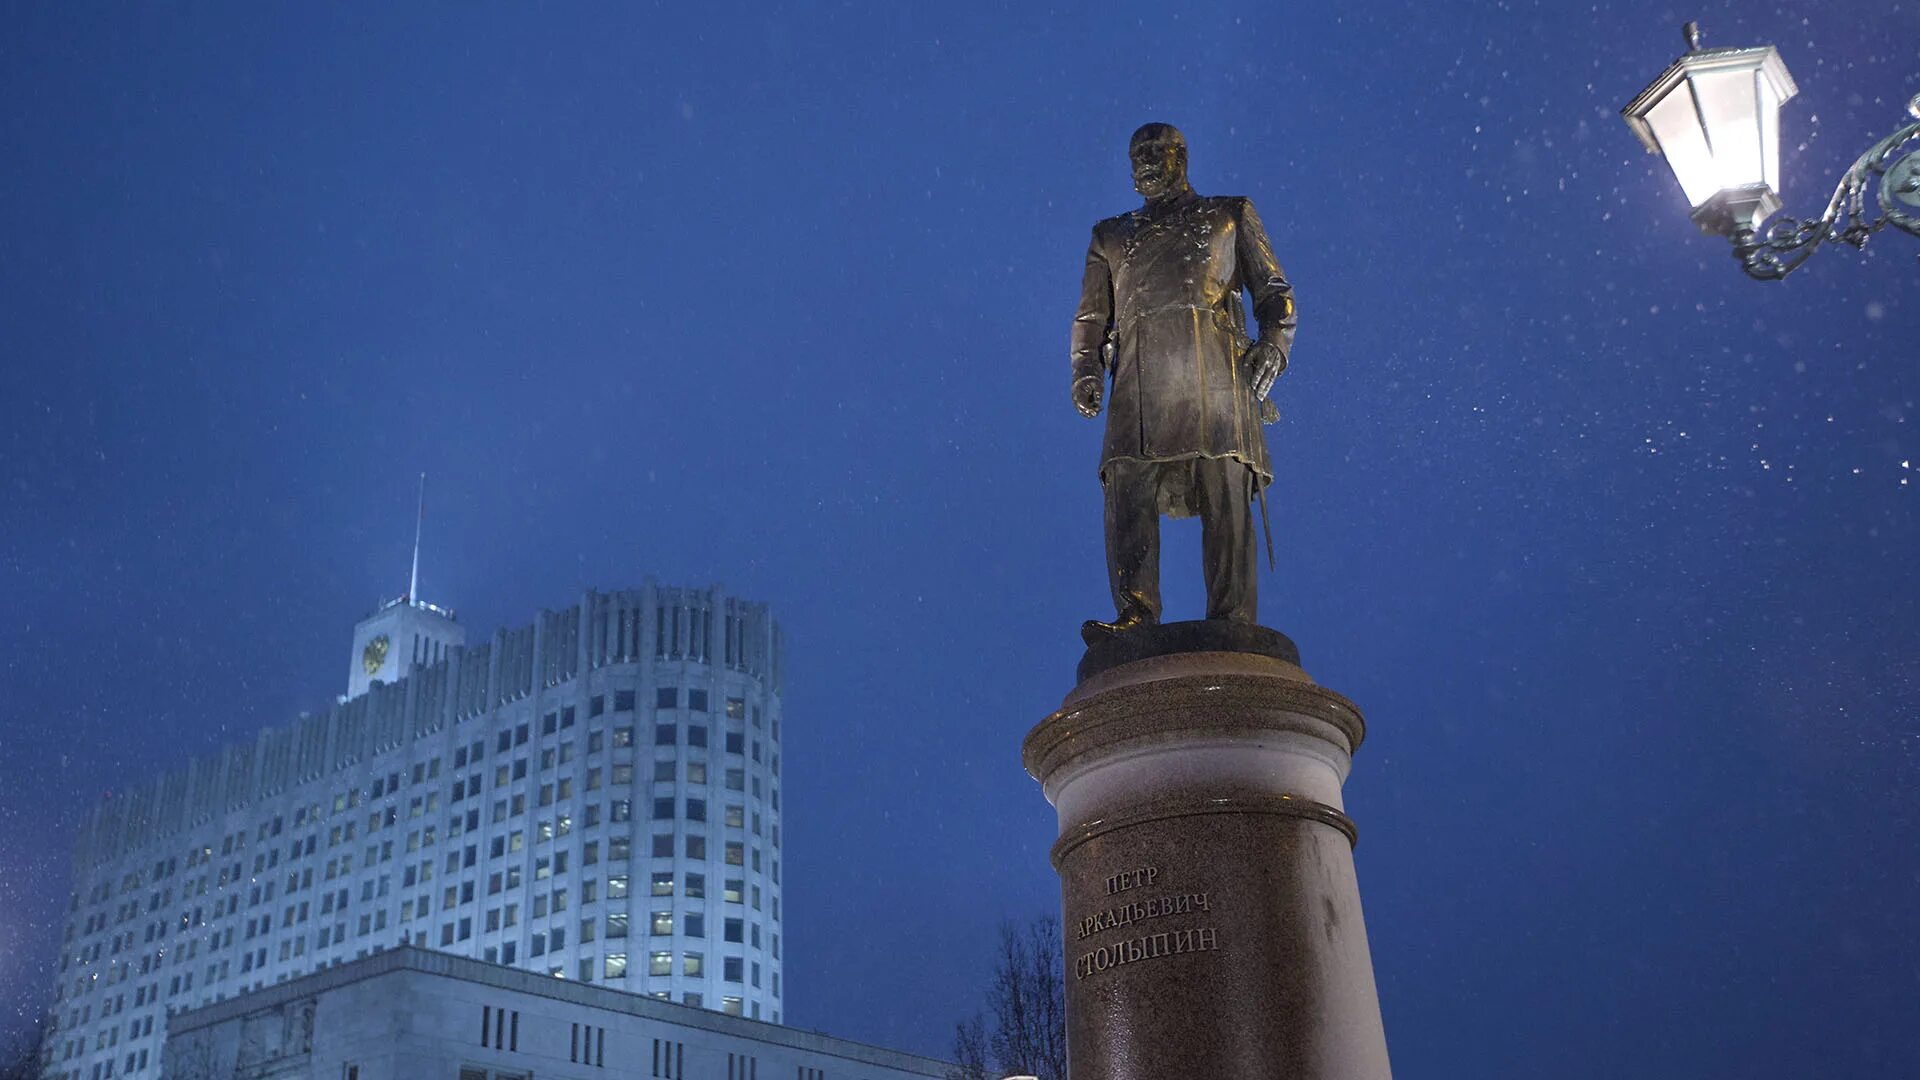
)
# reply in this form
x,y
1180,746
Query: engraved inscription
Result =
x,y
1141,910
1148,947
1127,913
1132,879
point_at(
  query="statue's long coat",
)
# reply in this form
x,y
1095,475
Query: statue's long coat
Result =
x,y
1165,286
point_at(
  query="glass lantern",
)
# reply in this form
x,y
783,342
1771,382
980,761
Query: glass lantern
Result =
x,y
1715,115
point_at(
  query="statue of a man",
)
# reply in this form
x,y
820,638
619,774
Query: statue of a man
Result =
x,y
1160,315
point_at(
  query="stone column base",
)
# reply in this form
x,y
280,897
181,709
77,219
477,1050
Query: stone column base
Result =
x,y
1210,908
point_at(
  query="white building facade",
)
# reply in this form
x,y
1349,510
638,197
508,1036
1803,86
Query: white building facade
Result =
x,y
593,797
413,1014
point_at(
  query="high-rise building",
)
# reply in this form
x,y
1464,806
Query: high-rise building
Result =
x,y
594,796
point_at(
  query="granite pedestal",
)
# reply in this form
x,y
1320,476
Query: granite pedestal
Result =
x,y
1211,913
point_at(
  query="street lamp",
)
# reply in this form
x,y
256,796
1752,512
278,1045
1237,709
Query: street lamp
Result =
x,y
1715,115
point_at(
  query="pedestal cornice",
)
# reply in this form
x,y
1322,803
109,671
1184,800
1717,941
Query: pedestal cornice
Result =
x,y
1184,706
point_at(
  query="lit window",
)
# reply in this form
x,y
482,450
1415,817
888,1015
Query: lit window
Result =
x,y
662,923
730,1006
693,963
660,963
616,965
617,924
617,887
663,884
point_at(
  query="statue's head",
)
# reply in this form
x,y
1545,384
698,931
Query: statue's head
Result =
x,y
1159,155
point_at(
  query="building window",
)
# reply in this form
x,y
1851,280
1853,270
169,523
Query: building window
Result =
x,y
696,735
665,734
730,969
617,924
696,847
734,929
660,963
617,887
663,883
736,708
730,1006
666,697
697,700
623,701
663,809
615,965
662,923
694,924
664,771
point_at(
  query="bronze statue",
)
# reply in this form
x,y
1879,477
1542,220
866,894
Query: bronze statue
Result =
x,y
1160,315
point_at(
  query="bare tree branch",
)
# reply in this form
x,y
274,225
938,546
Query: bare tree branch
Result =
x,y
1027,1000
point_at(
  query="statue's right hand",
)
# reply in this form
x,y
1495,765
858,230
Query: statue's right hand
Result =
x,y
1086,395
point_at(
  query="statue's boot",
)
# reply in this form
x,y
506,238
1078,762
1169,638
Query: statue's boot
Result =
x,y
1093,631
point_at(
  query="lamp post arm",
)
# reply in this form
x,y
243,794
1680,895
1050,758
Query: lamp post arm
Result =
x,y
1778,248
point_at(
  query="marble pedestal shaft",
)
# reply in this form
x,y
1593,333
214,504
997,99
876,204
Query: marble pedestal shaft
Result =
x,y
1210,909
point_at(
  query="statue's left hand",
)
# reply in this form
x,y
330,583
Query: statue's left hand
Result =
x,y
1268,360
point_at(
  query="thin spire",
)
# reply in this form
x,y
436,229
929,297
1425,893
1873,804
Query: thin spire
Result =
x,y
413,584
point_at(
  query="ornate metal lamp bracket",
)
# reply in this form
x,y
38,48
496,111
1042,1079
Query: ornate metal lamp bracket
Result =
x,y
1779,247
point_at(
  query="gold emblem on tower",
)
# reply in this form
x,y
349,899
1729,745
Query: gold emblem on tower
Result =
x,y
374,657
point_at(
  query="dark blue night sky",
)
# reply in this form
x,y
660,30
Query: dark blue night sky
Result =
x,y
1615,547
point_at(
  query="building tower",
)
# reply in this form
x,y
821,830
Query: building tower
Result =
x,y
594,796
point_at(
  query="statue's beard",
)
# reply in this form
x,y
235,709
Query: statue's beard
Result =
x,y
1159,187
